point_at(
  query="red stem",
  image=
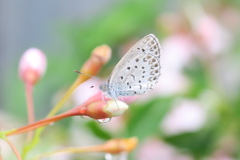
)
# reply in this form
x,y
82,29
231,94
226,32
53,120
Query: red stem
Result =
x,y
13,149
30,106
43,122
80,110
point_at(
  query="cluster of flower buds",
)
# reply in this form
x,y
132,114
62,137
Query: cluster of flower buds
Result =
x,y
32,67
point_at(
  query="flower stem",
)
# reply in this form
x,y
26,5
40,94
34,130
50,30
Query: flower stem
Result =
x,y
80,110
55,109
30,106
13,149
40,129
114,146
99,148
41,123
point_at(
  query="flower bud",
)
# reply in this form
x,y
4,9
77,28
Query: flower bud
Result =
x,y
101,109
99,57
103,52
116,146
116,108
32,65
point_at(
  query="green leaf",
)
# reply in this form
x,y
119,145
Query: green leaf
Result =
x,y
144,119
199,80
199,144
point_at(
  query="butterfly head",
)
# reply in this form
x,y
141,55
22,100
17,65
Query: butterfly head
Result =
x,y
104,87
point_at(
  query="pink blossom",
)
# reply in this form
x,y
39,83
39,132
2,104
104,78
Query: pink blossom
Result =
x,y
172,82
212,35
177,52
220,155
115,125
231,19
185,116
32,65
154,149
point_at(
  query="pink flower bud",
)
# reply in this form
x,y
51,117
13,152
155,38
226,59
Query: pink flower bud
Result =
x,y
32,65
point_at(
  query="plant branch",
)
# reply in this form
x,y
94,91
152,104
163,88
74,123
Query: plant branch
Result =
x,y
13,148
29,99
30,107
40,123
114,146
72,150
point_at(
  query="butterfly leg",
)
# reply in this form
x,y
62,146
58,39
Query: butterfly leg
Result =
x,y
116,96
103,98
116,102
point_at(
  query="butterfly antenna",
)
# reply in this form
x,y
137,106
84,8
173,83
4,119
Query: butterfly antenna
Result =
x,y
86,74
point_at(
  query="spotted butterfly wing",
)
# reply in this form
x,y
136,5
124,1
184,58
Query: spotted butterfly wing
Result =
x,y
139,70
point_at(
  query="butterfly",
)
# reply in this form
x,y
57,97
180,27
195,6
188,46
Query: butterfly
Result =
x,y
137,72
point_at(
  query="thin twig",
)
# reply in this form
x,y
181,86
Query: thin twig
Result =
x,y
99,148
13,149
30,105
30,108
41,123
